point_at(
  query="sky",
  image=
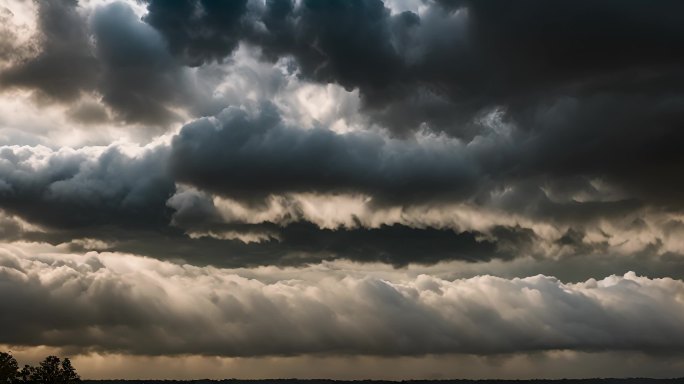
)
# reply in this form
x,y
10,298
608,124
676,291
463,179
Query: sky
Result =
x,y
343,189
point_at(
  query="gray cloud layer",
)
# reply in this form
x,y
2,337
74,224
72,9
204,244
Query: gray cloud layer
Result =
x,y
137,305
251,156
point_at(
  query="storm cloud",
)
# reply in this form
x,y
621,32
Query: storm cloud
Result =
x,y
95,186
417,197
109,55
453,59
66,64
341,179
241,155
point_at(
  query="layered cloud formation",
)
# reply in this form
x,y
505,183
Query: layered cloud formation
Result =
x,y
168,166
104,302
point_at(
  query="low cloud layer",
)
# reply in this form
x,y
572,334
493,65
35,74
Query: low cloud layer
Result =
x,y
109,302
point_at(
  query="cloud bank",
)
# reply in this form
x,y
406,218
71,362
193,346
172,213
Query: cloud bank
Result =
x,y
109,302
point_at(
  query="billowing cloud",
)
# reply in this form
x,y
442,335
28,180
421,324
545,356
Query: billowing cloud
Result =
x,y
80,188
451,59
140,79
106,53
252,153
422,200
65,65
198,30
390,180
242,155
550,124
108,302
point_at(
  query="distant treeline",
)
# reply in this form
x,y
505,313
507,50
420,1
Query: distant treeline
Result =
x,y
52,370
321,381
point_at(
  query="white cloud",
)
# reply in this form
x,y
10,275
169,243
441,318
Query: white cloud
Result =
x,y
247,80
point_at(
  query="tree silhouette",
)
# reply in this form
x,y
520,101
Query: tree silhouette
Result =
x,y
49,371
52,370
25,374
9,368
68,373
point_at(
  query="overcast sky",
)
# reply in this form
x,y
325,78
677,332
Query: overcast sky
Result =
x,y
337,188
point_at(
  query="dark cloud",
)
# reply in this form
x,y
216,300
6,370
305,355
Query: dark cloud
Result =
x,y
65,65
444,67
457,58
253,156
71,188
585,87
629,140
539,200
543,41
335,41
297,244
112,56
198,30
121,200
140,80
398,245
519,55
544,120
346,42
